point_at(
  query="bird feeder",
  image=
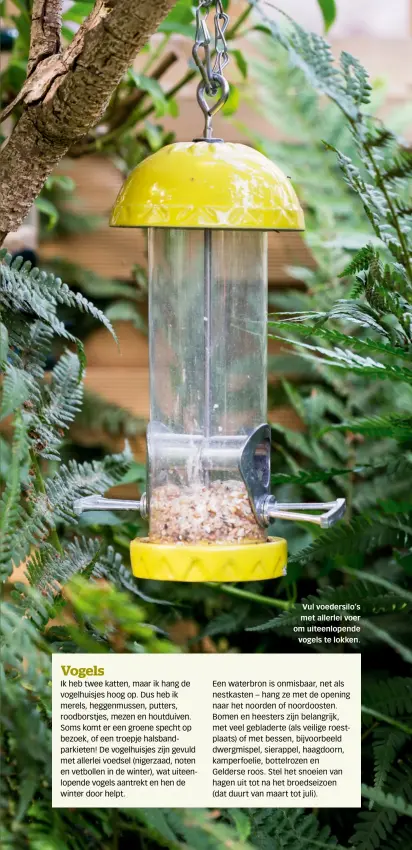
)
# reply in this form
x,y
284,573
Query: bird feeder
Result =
x,y
208,206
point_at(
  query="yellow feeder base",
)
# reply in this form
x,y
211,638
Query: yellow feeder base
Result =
x,y
188,562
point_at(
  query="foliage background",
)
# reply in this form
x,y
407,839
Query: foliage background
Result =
x,y
346,363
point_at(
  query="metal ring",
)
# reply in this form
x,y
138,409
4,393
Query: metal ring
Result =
x,y
210,111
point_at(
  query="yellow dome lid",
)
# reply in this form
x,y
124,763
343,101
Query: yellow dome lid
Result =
x,y
208,185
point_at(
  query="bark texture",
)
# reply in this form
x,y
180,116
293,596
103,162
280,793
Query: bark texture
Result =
x,y
46,21
66,93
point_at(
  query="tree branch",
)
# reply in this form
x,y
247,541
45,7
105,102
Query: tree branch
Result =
x,y
66,95
124,109
46,21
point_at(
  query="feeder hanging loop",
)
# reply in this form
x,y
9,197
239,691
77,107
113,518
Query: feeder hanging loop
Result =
x,y
212,74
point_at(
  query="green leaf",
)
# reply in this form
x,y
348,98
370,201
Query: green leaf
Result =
x,y
241,822
78,12
240,62
178,28
48,209
16,73
154,135
154,89
182,12
136,474
126,311
173,107
328,9
67,33
232,104
60,181
180,20
157,825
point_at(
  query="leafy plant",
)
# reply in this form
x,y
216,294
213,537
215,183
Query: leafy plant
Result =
x,y
351,325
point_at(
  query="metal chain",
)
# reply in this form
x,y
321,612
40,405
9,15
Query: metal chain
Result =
x,y
203,42
212,74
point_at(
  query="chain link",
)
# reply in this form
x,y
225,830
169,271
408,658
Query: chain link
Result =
x,y
211,72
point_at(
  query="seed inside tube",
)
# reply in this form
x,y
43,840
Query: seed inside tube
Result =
x,y
220,513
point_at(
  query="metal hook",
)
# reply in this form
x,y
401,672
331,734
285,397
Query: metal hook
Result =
x,y
210,111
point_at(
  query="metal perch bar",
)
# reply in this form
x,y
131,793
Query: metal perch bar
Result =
x,y
333,511
99,503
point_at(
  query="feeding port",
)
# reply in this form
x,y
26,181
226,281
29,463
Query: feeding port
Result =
x,y
208,373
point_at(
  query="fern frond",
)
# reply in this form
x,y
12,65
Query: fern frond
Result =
x,y
396,427
17,388
27,289
201,827
400,168
48,571
75,480
32,529
403,210
65,392
389,801
335,337
372,827
360,262
375,203
391,696
20,292
294,829
341,359
373,632
30,344
379,137
344,310
387,743
10,511
379,581
160,826
305,477
49,417
375,826
401,839
357,85
361,535
110,565
22,641
68,484
312,55
371,601
4,344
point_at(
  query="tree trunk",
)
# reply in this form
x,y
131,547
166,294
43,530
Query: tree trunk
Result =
x,y
65,95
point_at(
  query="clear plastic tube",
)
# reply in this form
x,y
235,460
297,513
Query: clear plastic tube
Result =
x,y
208,380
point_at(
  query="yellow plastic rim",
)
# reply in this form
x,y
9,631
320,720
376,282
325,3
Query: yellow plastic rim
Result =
x,y
202,185
187,562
